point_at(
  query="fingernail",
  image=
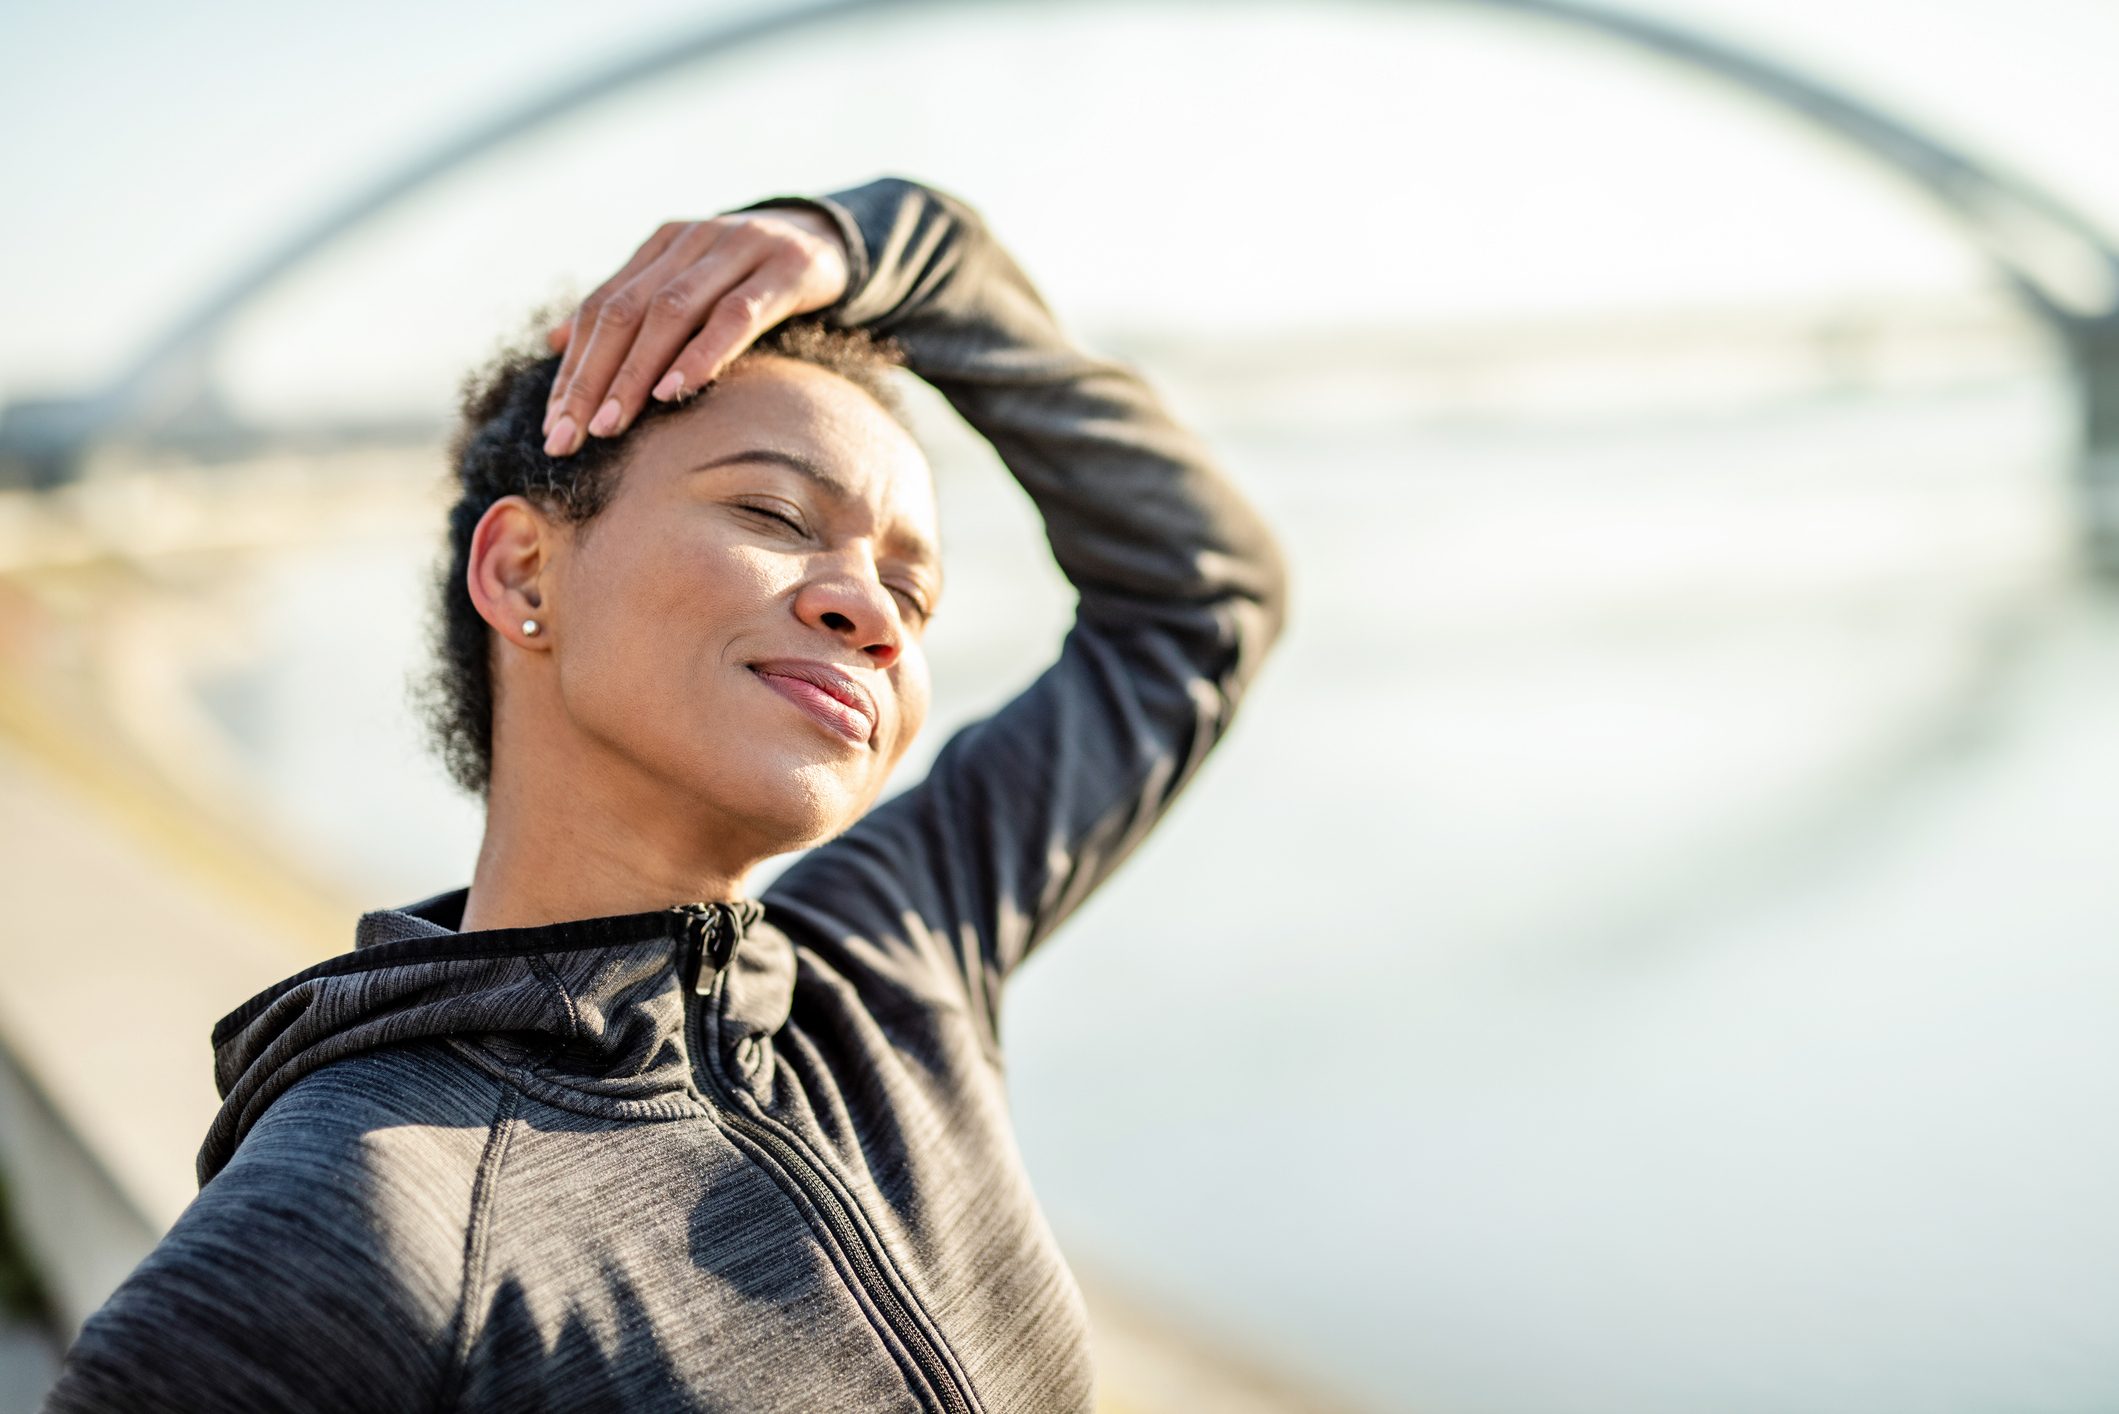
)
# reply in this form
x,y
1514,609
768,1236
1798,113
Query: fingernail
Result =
x,y
562,439
671,385
605,422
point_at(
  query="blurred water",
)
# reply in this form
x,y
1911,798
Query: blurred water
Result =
x,y
1631,955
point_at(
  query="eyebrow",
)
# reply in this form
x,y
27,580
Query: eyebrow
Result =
x,y
835,485
793,461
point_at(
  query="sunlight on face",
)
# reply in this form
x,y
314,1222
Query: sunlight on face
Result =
x,y
745,616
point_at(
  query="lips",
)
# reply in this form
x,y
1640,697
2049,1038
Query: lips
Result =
x,y
828,694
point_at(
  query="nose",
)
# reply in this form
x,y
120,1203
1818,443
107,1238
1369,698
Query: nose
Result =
x,y
849,602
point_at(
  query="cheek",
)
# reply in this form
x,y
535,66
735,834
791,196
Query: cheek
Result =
x,y
655,617
672,594
914,692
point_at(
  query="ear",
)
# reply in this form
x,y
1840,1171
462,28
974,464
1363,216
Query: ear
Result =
x,y
512,549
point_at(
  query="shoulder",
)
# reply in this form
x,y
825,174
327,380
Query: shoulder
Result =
x,y
321,1269
407,1114
384,1146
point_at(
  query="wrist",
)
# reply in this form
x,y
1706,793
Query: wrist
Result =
x,y
826,219
813,221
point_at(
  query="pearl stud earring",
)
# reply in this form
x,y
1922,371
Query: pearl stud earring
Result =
x,y
531,628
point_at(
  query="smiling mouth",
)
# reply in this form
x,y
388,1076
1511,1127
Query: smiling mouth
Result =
x,y
830,697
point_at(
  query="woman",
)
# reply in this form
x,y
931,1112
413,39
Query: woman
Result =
x,y
600,1131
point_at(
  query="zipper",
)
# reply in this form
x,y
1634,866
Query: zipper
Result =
x,y
710,940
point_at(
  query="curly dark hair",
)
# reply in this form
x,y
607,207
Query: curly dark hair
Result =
x,y
497,449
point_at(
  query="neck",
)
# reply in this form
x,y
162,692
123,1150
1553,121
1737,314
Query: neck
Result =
x,y
562,844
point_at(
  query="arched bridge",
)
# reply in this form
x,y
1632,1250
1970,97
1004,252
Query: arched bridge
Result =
x,y
2063,268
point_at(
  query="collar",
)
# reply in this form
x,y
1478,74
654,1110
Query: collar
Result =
x,y
593,1007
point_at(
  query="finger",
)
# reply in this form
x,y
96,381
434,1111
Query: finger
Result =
x,y
557,335
676,312
594,356
651,250
605,337
740,316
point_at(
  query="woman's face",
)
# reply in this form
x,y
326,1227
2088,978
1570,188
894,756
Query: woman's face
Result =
x,y
742,620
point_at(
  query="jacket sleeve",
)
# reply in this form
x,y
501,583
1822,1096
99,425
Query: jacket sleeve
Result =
x,y
270,1293
1181,591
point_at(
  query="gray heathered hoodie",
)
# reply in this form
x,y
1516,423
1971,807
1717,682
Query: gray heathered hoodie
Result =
x,y
750,1156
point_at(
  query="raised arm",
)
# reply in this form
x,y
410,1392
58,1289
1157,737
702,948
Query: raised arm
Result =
x,y
1182,591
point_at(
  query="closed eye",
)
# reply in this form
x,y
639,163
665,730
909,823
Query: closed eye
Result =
x,y
918,606
766,513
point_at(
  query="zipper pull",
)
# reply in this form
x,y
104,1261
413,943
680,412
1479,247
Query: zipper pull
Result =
x,y
712,942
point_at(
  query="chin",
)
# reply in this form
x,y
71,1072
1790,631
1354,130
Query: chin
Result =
x,y
795,806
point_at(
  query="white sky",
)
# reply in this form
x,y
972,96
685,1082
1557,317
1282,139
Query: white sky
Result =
x,y
1202,167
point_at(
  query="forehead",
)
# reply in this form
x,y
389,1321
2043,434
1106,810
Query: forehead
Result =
x,y
812,424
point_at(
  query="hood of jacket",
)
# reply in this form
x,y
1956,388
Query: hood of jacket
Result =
x,y
598,1005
